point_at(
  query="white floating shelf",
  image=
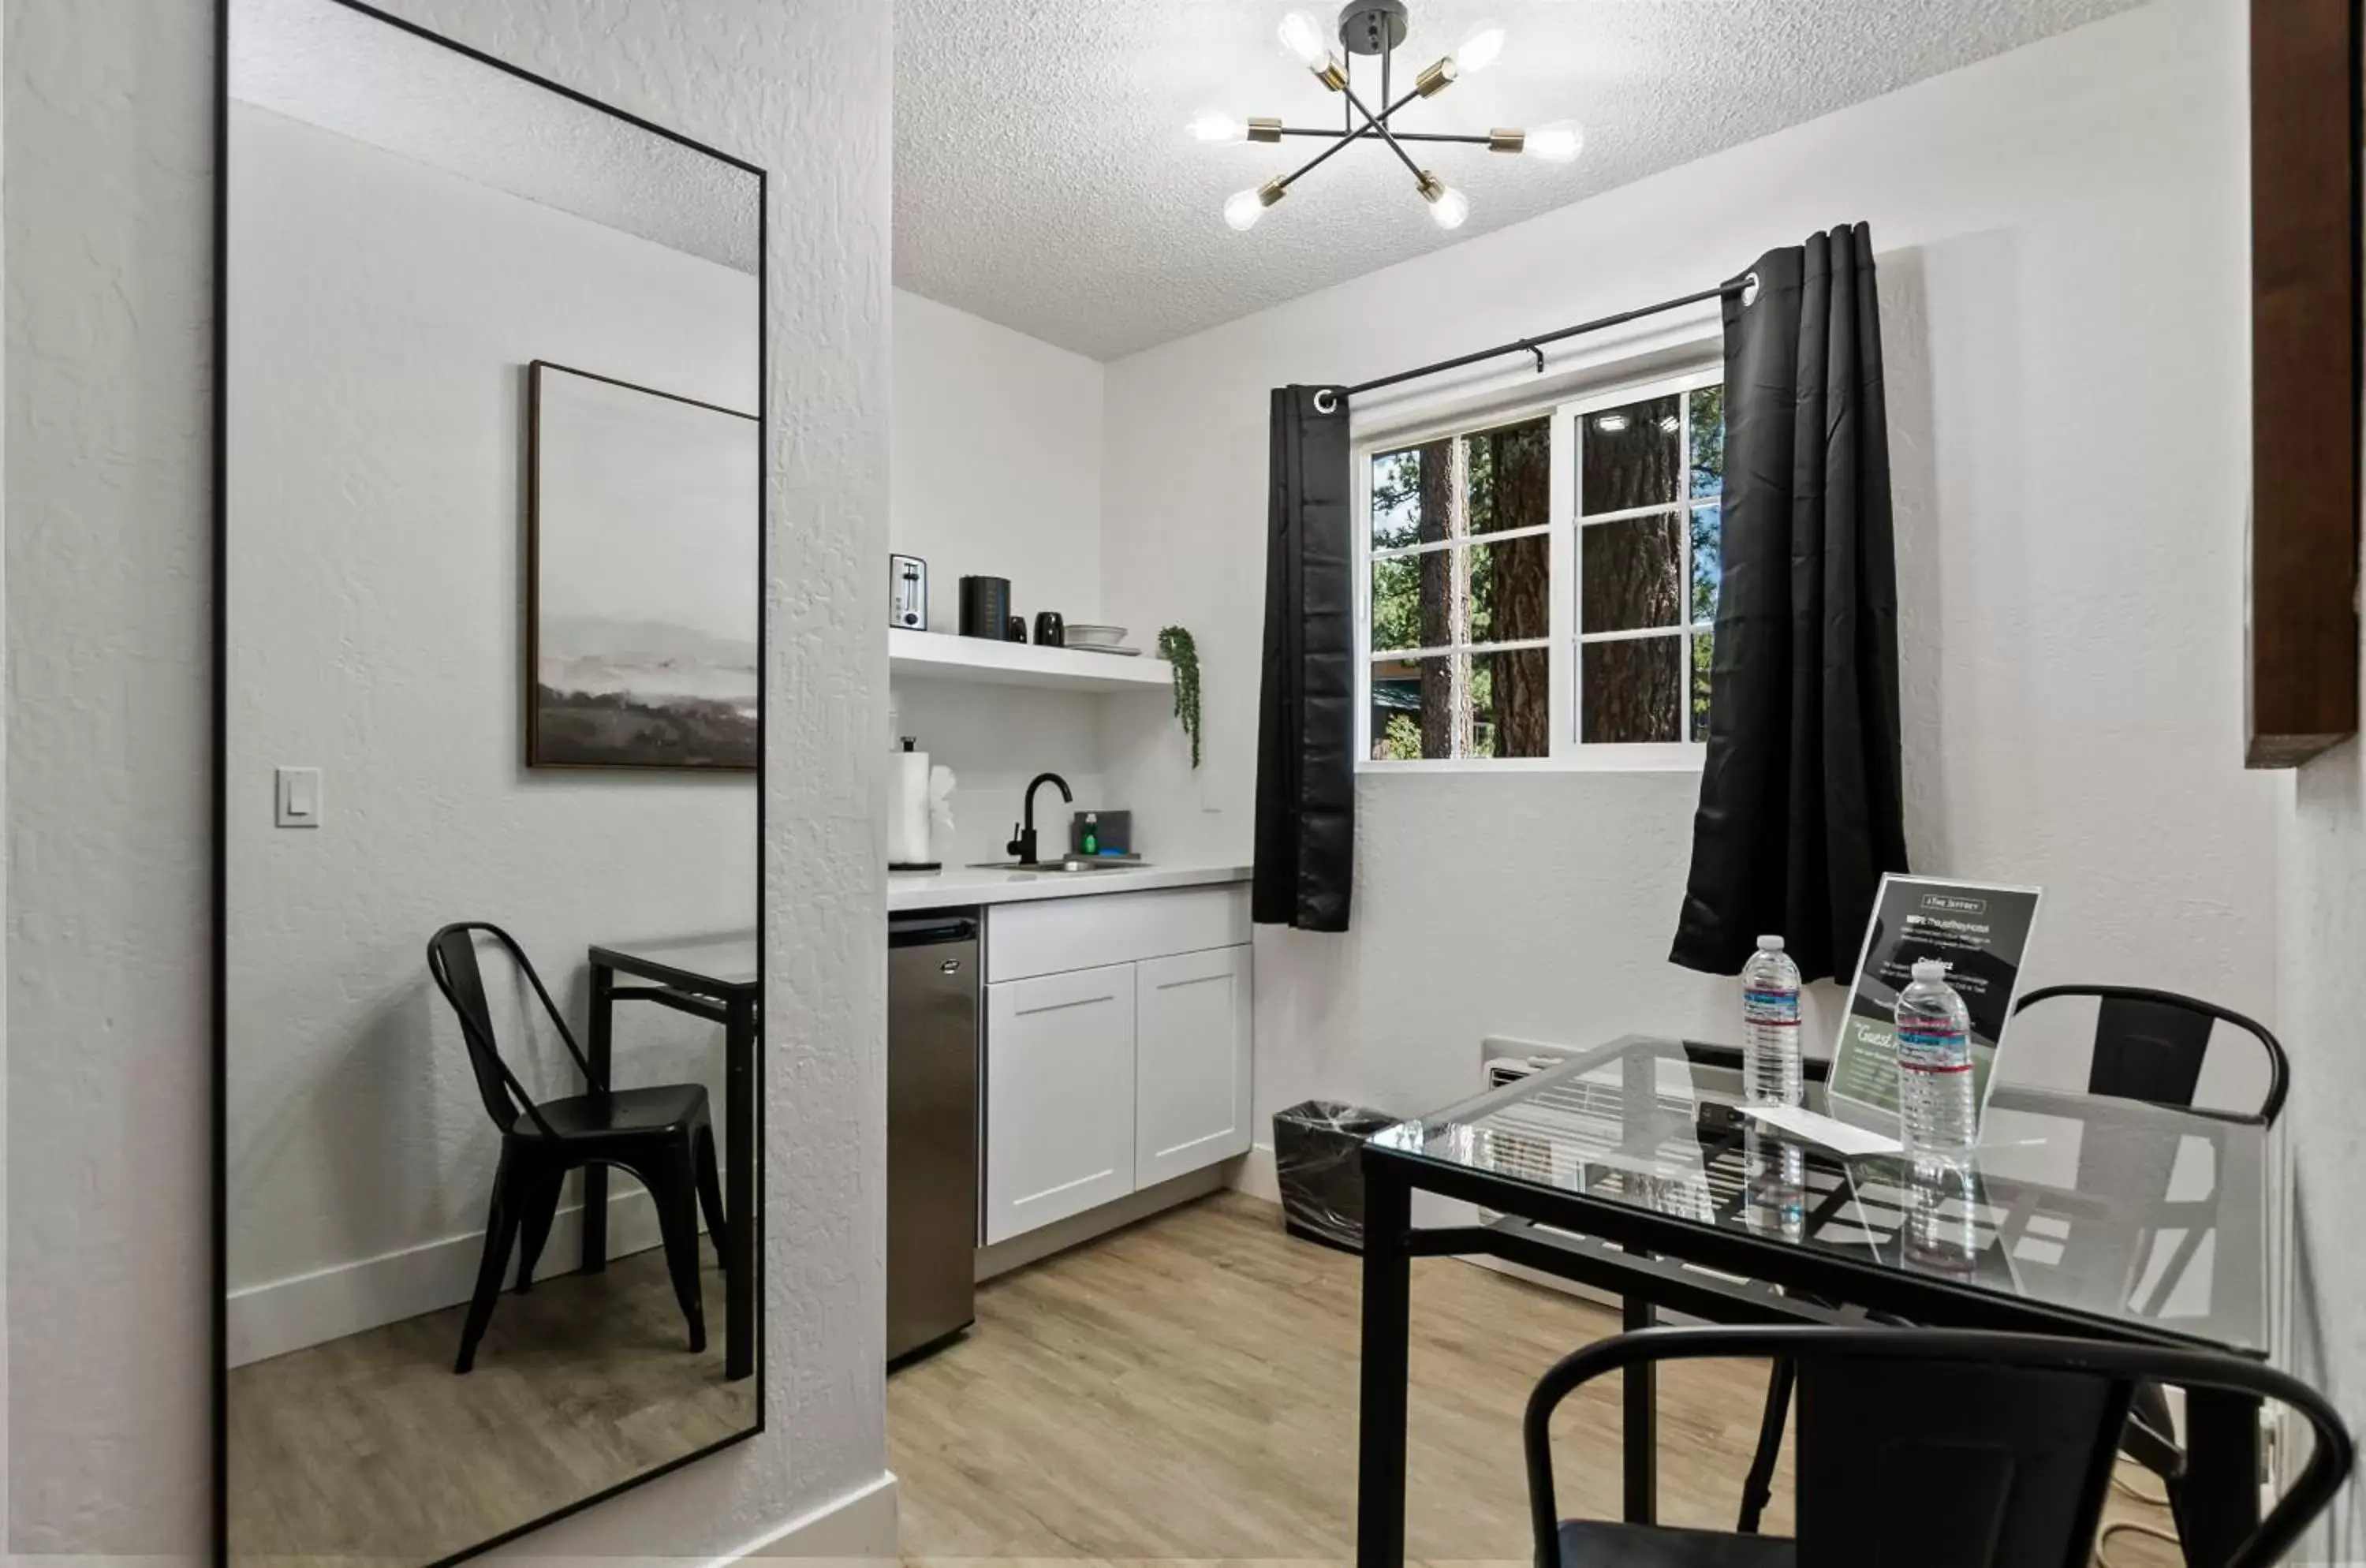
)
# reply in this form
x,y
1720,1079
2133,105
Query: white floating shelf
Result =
x,y
940,656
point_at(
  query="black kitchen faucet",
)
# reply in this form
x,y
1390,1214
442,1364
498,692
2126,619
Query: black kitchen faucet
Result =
x,y
1023,848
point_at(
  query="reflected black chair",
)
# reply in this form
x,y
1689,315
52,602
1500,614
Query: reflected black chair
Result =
x,y
663,1136
1941,1448
2149,1046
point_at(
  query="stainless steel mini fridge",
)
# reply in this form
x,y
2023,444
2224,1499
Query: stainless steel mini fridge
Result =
x,y
932,1133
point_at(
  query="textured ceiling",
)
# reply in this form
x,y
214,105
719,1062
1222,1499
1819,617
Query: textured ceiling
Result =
x,y
1043,180
330,66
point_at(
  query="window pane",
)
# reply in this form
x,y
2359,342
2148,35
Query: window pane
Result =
x,y
1708,535
1414,710
1704,650
1511,702
1632,690
1630,574
1708,439
1511,477
1511,590
1632,456
1409,496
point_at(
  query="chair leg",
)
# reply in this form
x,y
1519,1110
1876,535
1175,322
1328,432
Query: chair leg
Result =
x,y
710,1188
675,1191
500,1226
541,1208
1758,1490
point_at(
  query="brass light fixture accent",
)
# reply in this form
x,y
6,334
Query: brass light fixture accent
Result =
x,y
1375,27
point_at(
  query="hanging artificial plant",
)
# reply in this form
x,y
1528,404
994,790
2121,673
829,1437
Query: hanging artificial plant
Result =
x,y
1175,646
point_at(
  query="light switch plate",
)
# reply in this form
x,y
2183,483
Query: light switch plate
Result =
x,y
297,794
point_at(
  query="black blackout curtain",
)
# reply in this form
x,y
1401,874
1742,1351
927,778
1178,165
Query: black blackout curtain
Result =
x,y
1800,806
1306,711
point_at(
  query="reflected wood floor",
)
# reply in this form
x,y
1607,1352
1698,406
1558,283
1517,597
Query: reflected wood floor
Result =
x,y
1186,1389
369,1449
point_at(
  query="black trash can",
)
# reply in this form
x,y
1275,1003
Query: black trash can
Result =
x,y
1321,1175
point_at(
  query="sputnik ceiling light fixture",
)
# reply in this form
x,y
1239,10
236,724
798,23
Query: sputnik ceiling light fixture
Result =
x,y
1377,27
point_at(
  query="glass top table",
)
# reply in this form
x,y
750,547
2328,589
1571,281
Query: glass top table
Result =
x,y
1632,1169
2135,1218
715,964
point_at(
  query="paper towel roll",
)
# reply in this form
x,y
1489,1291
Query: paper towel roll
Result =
x,y
907,809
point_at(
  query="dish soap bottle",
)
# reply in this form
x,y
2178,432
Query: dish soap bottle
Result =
x,y
1092,840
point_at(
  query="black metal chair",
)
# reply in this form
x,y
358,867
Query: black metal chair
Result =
x,y
663,1136
1941,1448
2149,1046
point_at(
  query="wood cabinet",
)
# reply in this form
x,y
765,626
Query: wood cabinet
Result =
x,y
1117,1048
1059,1096
1193,1024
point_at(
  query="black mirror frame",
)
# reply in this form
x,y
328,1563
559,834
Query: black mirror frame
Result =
x,y
218,1413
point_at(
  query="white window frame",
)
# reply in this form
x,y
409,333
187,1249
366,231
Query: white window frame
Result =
x,y
1568,753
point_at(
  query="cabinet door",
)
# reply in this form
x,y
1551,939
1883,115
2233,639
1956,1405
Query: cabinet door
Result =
x,y
1191,1062
1059,1096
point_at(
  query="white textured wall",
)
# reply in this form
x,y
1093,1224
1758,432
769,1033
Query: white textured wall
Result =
x,y
998,472
2062,240
377,558
108,170
997,463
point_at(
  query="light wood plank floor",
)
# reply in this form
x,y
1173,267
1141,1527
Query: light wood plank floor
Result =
x,y
369,1449
1186,1389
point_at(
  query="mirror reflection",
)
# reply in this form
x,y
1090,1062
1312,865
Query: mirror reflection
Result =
x,y
492,890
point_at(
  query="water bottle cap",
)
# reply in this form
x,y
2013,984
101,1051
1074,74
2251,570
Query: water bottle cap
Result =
x,y
1930,968
1770,944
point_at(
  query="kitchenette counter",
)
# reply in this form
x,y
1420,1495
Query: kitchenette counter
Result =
x,y
962,886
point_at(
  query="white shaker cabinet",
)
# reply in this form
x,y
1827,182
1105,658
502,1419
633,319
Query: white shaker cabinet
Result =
x,y
1059,1096
1118,1047
1191,1062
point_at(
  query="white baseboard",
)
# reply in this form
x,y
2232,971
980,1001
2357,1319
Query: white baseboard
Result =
x,y
1255,1174
859,1526
327,1304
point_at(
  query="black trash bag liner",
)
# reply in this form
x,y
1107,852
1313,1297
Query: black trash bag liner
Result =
x,y
1315,1146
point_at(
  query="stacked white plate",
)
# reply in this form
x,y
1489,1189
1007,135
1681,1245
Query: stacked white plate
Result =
x,y
1099,639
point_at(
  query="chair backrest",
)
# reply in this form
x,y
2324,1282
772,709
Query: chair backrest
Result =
x,y
452,963
2150,1045
1952,1449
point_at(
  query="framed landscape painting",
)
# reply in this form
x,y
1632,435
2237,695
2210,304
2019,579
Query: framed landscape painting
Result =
x,y
644,601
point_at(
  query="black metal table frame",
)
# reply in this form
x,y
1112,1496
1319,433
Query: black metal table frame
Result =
x,y
1639,1254
732,1004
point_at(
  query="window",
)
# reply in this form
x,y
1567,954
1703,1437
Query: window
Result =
x,y
1545,590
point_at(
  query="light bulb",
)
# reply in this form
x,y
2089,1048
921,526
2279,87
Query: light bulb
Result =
x,y
1448,206
1477,52
1214,125
1302,36
1242,208
1559,142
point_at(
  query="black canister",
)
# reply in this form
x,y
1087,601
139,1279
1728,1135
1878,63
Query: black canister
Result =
x,y
1050,629
1018,631
985,607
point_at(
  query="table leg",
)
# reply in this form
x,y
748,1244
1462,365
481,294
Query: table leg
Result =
x,y
1388,1281
2219,1498
597,1050
741,1222
1640,1428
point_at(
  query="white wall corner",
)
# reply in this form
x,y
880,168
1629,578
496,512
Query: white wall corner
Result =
x,y
858,1528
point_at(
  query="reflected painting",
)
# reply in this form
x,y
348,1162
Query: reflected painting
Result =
x,y
644,518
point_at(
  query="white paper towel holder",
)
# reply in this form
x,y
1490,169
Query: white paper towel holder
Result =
x,y
914,865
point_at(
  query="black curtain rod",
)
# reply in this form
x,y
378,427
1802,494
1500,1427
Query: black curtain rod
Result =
x,y
1535,344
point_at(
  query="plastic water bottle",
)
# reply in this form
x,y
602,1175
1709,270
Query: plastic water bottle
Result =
x,y
1769,1026
1774,1184
1935,1111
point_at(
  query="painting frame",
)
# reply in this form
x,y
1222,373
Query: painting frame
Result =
x,y
539,751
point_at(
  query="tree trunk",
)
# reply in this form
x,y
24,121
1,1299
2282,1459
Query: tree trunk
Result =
x,y
1521,570
1438,503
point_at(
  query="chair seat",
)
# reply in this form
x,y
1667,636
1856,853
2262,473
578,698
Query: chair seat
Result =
x,y
626,1111
1591,1543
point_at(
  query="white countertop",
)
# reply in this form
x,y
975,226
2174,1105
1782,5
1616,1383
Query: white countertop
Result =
x,y
957,885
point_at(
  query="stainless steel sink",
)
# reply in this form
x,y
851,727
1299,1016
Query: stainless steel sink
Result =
x,y
1077,864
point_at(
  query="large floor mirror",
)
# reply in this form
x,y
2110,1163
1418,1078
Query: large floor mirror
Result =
x,y
492,392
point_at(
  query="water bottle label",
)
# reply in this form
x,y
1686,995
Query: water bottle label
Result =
x,y
1777,1007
